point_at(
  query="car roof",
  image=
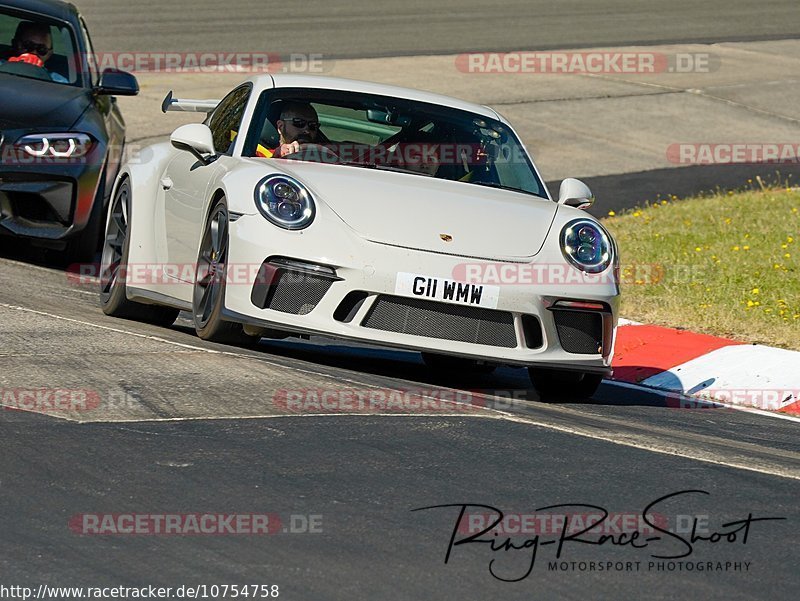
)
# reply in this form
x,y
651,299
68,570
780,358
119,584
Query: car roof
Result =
x,y
56,9
293,80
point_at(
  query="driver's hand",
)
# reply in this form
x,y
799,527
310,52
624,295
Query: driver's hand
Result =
x,y
290,148
29,58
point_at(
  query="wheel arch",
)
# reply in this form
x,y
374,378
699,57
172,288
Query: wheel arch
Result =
x,y
143,175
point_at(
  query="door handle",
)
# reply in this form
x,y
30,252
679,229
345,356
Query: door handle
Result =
x,y
166,183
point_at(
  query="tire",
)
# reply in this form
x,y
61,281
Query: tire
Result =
x,y
115,257
456,365
554,384
208,294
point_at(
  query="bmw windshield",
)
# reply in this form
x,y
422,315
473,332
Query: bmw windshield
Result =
x,y
38,49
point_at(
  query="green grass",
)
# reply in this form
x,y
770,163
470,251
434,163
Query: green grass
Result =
x,y
727,264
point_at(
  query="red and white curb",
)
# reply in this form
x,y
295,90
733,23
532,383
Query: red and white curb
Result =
x,y
708,368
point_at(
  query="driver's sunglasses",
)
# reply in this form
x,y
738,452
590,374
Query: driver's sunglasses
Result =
x,y
39,49
302,123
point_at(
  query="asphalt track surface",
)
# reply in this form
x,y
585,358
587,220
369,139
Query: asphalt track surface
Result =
x,y
349,29
201,433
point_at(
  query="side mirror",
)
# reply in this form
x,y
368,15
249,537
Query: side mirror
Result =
x,y
195,138
114,82
574,193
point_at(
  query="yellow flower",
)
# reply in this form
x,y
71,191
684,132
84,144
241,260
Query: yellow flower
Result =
x,y
755,291
790,239
745,247
663,202
697,249
750,303
784,246
787,256
735,248
637,214
611,213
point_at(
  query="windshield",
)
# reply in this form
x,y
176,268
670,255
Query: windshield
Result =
x,y
37,49
395,134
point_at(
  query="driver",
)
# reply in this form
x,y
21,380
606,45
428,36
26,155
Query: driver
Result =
x,y
298,124
33,44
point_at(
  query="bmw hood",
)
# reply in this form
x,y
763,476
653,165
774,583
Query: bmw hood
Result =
x,y
420,212
35,104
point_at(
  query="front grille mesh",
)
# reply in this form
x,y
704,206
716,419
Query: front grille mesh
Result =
x,y
442,320
579,331
297,292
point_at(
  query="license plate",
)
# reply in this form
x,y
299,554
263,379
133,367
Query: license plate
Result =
x,y
448,291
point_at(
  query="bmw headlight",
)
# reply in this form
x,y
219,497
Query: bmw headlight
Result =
x,y
55,146
285,202
587,245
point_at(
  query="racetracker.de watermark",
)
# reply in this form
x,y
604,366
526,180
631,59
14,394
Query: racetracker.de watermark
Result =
x,y
554,523
44,153
50,400
194,524
390,400
211,62
734,153
766,399
561,274
588,62
149,274
59,401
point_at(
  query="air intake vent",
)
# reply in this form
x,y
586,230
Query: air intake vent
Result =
x,y
442,320
579,332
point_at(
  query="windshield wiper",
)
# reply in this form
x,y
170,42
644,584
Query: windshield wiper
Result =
x,y
381,167
399,170
357,164
502,187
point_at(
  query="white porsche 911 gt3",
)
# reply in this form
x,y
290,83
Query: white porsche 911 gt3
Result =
x,y
401,218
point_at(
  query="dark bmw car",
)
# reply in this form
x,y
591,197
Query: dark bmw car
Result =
x,y
61,132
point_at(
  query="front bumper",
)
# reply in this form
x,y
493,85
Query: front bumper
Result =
x,y
529,328
48,200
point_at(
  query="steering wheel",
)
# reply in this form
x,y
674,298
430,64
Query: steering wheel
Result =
x,y
26,70
316,153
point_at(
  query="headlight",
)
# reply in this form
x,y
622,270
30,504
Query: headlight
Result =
x,y
55,146
285,202
587,245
